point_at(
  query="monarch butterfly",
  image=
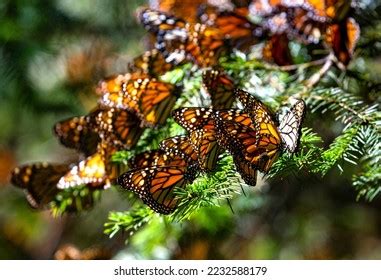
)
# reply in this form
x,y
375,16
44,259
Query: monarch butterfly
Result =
x,y
236,28
118,127
342,38
95,171
253,137
39,181
151,63
199,123
180,41
150,99
220,88
155,184
276,50
236,133
287,133
76,133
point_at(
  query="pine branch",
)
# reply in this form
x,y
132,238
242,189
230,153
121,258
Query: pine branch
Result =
x,y
208,190
368,181
305,159
348,108
74,200
344,147
128,221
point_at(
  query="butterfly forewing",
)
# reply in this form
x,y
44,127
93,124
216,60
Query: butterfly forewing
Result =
x,y
39,181
118,127
180,41
220,88
95,171
290,126
76,133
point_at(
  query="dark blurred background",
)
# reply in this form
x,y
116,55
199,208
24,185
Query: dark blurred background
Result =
x,y
52,53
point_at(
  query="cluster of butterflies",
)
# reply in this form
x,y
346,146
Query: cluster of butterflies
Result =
x,y
201,31
128,104
197,31
252,136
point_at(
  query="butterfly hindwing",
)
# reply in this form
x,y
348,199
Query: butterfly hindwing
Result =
x,y
155,185
154,158
290,126
95,171
118,127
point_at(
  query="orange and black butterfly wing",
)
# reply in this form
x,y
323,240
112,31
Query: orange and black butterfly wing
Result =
x,y
117,83
154,158
156,101
75,133
238,135
155,185
199,122
171,34
193,118
239,31
91,171
247,171
276,50
151,63
118,127
207,148
158,22
262,118
185,9
180,41
180,146
150,99
220,88
205,45
329,9
145,159
95,171
111,84
233,134
342,38
39,181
